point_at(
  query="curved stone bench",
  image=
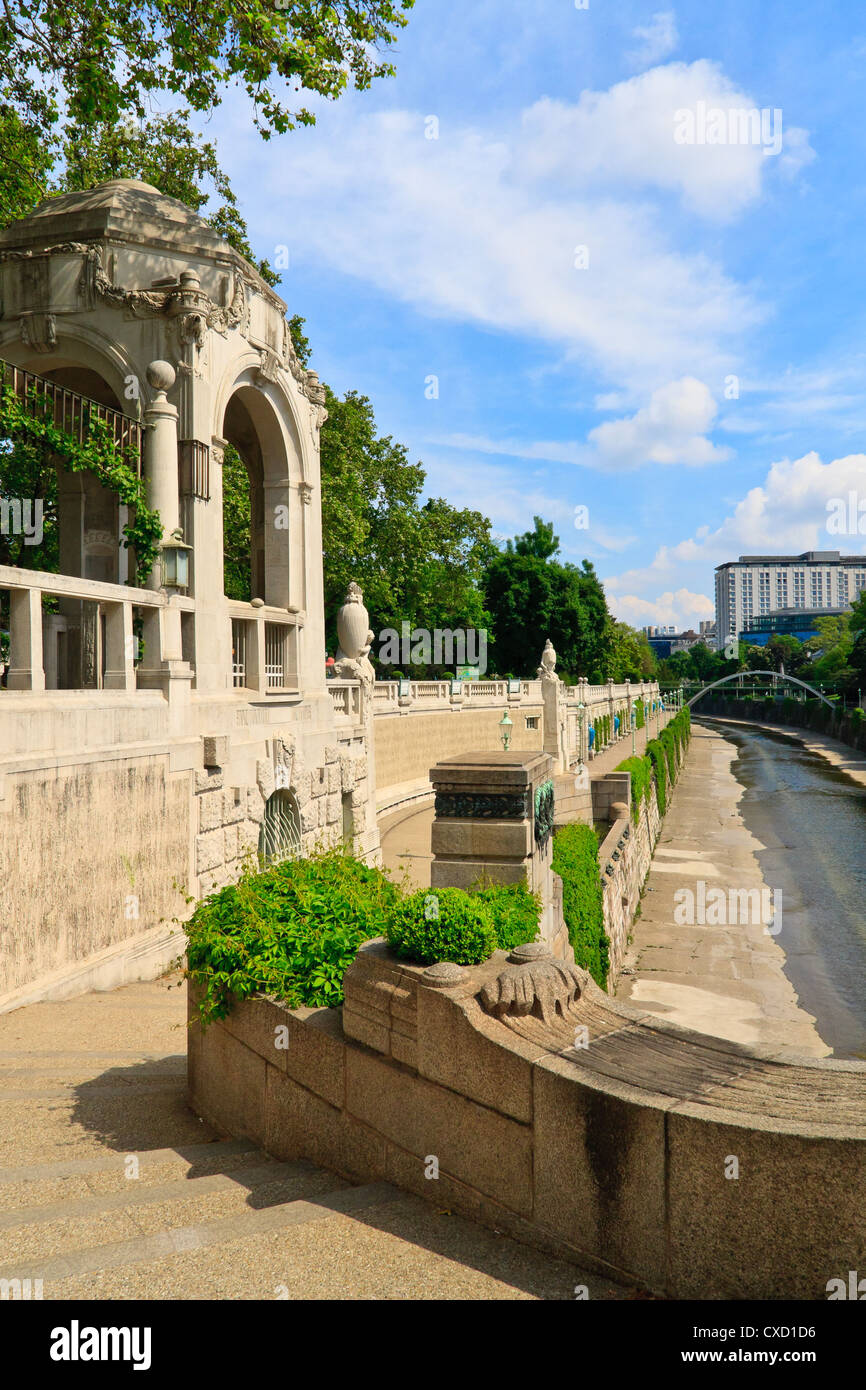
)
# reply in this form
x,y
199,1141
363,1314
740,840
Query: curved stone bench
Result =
x,y
692,1166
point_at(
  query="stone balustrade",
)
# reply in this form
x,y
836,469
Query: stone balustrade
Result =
x,y
264,639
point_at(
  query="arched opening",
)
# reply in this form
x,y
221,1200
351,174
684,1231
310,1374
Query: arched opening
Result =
x,y
280,832
72,524
256,501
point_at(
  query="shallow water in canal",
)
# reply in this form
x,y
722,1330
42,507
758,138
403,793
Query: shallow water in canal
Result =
x,y
812,820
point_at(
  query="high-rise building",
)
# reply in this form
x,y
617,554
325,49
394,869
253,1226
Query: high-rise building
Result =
x,y
756,585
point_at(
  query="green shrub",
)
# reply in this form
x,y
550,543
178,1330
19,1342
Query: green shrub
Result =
x,y
656,753
461,929
291,930
575,859
514,911
641,780
640,713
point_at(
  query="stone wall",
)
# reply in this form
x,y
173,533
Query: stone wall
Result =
x,y
115,806
91,855
229,818
581,1127
407,746
624,859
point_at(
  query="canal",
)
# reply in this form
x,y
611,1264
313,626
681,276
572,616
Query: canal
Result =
x,y
811,818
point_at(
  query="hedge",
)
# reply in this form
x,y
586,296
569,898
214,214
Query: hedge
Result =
x,y
575,859
662,761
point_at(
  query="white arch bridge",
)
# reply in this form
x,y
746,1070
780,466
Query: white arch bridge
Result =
x,y
779,677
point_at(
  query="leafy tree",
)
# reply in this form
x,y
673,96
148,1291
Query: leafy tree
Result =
x,y
416,562
237,513
632,658
79,84
531,596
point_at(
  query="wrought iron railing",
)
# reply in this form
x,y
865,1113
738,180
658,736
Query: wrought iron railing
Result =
x,y
69,410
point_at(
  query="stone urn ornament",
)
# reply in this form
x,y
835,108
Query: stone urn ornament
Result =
x,y
355,636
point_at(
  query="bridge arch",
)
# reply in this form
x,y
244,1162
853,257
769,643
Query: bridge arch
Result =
x,y
779,675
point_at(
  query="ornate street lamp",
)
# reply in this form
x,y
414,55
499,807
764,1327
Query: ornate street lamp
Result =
x,y
175,562
506,725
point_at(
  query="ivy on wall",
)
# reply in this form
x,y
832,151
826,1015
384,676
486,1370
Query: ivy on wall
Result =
x,y
31,425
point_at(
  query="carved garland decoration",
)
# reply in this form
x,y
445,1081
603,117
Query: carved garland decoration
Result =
x,y
467,806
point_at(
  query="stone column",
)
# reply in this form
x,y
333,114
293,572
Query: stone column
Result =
x,y
162,662
119,647
487,827
25,646
160,455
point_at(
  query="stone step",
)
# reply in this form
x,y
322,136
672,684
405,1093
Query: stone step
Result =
x,y
162,1243
87,1222
45,1184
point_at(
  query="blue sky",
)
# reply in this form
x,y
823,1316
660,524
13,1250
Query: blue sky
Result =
x,y
693,376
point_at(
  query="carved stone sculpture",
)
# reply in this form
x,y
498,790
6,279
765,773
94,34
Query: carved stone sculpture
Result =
x,y
533,982
356,638
547,669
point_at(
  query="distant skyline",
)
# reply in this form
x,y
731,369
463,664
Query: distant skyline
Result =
x,y
667,334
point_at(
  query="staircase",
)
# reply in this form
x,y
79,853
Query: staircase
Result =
x,y
111,1188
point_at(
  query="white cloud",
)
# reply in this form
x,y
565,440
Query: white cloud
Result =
x,y
659,38
786,514
679,607
481,225
671,429
627,135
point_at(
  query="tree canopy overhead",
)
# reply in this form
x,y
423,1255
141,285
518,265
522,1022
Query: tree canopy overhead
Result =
x,y
99,89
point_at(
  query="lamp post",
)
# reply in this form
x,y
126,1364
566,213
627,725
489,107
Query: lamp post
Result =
x,y
505,725
633,729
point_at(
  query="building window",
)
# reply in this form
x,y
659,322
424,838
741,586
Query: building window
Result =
x,y
532,721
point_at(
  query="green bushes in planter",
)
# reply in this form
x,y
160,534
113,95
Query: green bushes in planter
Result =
x,y
514,911
575,859
449,924
291,930
640,713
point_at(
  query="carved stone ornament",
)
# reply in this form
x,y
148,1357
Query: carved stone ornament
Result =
x,y
184,301
547,669
477,806
544,812
533,982
305,491
353,623
39,331
270,367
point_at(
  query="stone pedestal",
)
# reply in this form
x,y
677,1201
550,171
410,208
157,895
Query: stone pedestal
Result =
x,y
493,822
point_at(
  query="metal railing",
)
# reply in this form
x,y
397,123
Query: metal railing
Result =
x,y
69,410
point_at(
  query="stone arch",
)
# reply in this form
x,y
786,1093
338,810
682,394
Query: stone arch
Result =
x,y
89,517
263,433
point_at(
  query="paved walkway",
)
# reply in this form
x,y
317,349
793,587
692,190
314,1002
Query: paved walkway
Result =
x,y
405,836
111,1188
726,980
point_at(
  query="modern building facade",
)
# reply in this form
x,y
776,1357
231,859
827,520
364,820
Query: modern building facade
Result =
x,y
792,622
757,585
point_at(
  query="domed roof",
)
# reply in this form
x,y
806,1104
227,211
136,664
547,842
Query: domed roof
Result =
x,y
124,210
